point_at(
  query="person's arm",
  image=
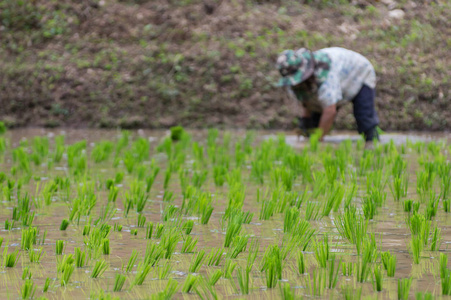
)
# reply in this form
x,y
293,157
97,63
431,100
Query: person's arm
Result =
x,y
327,119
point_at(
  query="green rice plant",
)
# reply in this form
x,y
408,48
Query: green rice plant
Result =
x,y
169,212
377,278
215,277
112,194
29,237
119,281
199,178
46,285
59,247
214,257
369,208
187,227
272,265
9,224
81,257
312,210
407,204
347,268
131,261
302,267
446,206
233,229
129,161
196,263
432,206
106,246
28,218
134,232
141,220
322,251
26,273
219,175
205,213
189,244
10,260
239,245
167,178
117,227
292,216
404,288
66,272
443,264
35,256
229,267
169,242
436,239
332,272
64,224
243,280
351,226
86,230
164,270
168,292
190,283
149,230
168,196
28,289
99,268
389,263
159,229
143,271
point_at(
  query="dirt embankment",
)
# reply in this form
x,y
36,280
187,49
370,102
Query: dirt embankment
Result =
x,y
198,63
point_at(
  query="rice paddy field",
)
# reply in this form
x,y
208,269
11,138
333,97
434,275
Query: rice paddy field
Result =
x,y
213,214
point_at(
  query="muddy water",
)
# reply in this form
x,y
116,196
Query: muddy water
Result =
x,y
389,227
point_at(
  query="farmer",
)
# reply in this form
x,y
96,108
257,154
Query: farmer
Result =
x,y
325,80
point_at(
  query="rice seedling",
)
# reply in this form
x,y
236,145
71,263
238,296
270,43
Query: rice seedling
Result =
x,y
169,212
190,283
443,264
29,237
215,277
35,256
233,229
86,230
81,257
196,263
46,285
399,187
215,256
59,247
9,224
168,292
164,270
28,289
424,296
64,224
189,244
377,278
26,273
143,271
134,232
149,230
243,280
389,263
347,269
66,272
332,272
117,227
407,204
187,227
169,242
119,281
229,267
99,268
106,246
131,261
351,226
436,239
302,267
159,229
141,220
322,251
404,288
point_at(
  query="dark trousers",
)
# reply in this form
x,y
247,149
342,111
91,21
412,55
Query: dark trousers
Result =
x,y
364,113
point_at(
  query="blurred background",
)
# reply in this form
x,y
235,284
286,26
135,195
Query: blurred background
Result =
x,y
202,63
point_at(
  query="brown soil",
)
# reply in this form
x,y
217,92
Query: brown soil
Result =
x,y
160,63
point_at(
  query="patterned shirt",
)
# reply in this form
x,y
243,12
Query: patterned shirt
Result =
x,y
340,73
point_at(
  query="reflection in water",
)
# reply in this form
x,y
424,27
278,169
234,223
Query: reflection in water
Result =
x,y
389,226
